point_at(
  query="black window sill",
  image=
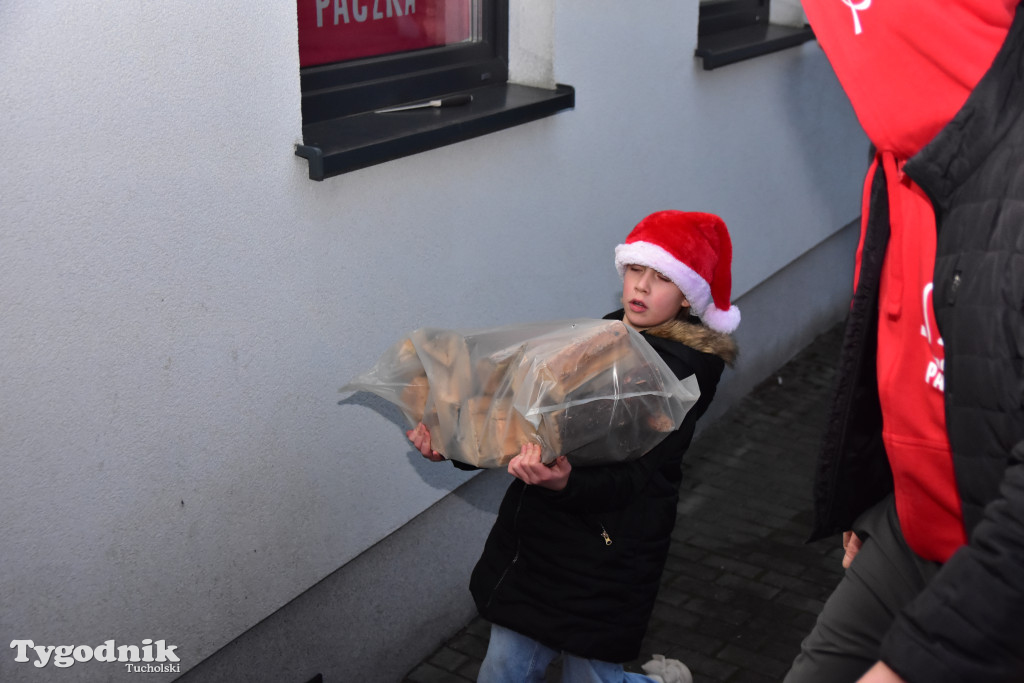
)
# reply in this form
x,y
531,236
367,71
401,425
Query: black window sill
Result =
x,y
337,146
726,47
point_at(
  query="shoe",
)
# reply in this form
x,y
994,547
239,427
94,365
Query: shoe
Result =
x,y
667,670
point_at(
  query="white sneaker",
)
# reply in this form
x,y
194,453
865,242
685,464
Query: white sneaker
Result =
x,y
667,670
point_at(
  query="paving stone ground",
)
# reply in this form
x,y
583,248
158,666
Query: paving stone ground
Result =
x,y
741,587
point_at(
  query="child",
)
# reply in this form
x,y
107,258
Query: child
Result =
x,y
573,562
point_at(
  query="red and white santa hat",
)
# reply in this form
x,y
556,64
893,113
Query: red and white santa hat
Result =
x,y
693,250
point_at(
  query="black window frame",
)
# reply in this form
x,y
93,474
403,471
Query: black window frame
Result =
x,y
717,16
343,130
731,31
362,85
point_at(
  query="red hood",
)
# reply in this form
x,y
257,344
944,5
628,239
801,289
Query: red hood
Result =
x,y
913,63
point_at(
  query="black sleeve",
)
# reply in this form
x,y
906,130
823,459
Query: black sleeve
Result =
x,y
612,486
464,466
967,624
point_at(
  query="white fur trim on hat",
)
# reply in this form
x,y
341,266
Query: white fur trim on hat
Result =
x,y
695,288
723,321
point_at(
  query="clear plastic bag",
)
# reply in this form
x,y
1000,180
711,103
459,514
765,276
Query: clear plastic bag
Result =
x,y
591,389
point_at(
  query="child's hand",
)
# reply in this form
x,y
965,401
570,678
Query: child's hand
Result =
x,y
851,544
528,467
420,437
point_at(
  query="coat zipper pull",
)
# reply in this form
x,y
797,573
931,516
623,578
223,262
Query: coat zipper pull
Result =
x,y
953,287
605,536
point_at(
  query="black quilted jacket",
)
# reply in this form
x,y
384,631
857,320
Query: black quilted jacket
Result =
x,y
547,571
968,625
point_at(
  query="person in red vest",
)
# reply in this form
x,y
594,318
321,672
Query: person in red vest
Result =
x,y
922,466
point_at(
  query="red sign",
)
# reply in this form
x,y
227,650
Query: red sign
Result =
x,y
336,30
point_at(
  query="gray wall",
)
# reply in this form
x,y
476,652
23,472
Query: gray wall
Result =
x,y
383,613
180,304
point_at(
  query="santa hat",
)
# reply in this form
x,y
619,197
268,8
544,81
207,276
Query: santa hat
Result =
x,y
693,250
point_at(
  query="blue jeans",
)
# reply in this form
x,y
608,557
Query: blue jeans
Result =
x,y
515,658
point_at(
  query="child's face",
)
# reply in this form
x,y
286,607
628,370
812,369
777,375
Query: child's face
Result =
x,y
649,298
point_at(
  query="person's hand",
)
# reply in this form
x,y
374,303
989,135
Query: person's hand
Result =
x,y
420,437
851,544
880,673
528,467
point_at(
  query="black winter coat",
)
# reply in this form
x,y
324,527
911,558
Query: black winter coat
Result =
x,y
968,625
547,570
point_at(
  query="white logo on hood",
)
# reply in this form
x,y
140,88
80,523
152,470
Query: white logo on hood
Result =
x,y
857,7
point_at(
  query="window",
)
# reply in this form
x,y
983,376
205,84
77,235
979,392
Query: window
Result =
x,y
332,33
733,30
359,57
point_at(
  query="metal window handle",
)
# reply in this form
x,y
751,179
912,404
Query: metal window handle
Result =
x,y
453,101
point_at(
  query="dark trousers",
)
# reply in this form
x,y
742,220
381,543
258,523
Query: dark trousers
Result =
x,y
883,578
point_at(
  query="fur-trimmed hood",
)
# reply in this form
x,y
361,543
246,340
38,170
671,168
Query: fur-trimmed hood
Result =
x,y
698,336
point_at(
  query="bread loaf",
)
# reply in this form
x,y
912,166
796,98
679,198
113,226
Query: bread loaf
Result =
x,y
414,397
563,370
575,387
497,429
